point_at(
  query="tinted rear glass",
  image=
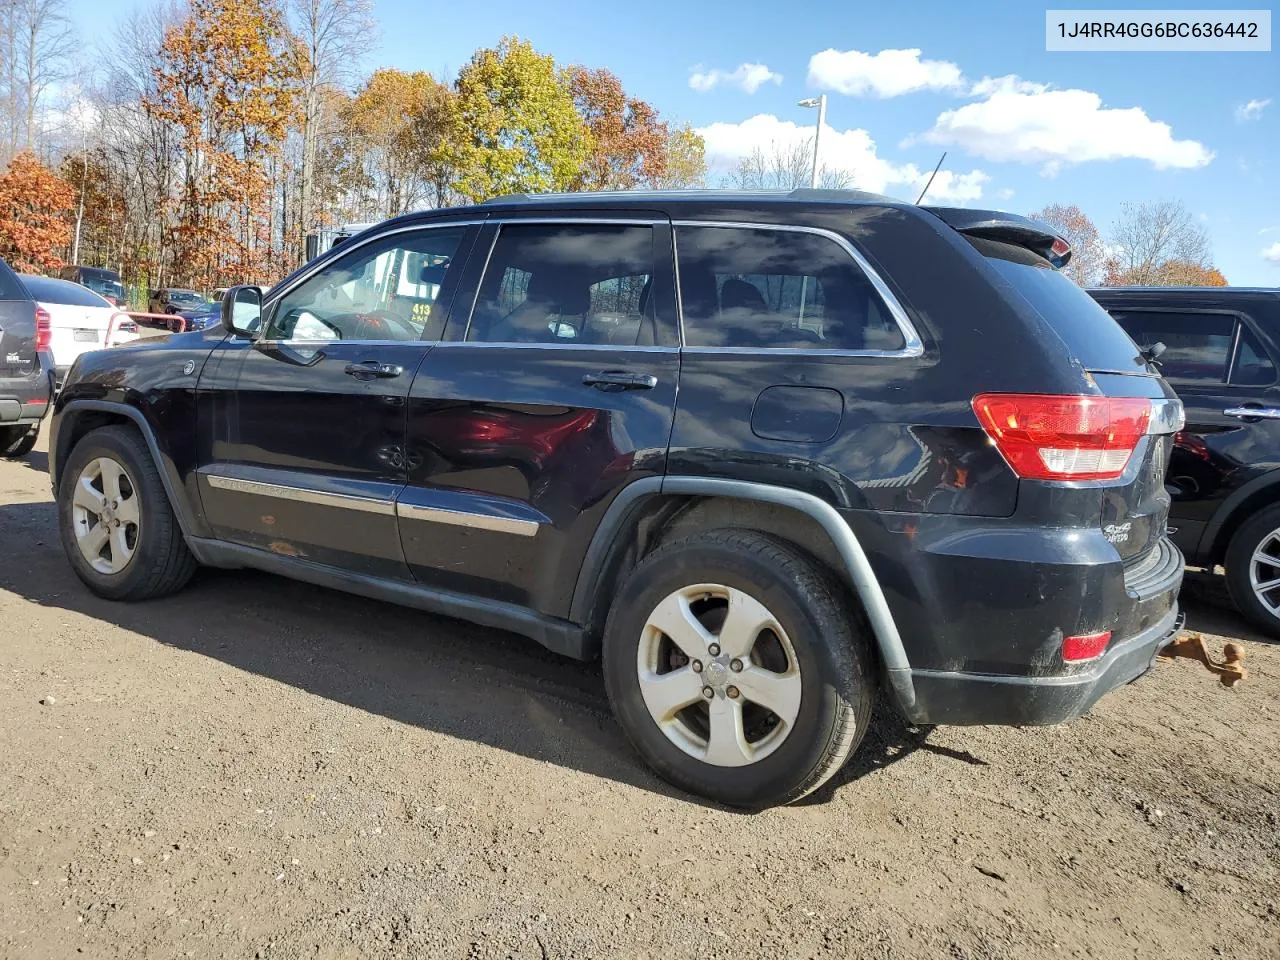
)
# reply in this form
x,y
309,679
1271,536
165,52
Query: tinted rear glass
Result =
x,y
46,290
10,288
1090,333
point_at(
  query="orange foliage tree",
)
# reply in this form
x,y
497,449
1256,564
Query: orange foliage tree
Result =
x,y
630,142
1088,259
225,81
34,207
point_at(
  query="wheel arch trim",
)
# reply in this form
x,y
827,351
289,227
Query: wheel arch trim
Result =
x,y
858,568
1209,544
164,465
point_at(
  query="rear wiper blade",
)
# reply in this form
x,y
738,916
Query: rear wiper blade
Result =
x,y
1149,356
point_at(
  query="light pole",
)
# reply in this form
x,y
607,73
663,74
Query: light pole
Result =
x,y
821,103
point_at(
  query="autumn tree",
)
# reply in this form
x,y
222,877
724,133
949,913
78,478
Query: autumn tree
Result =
x,y
395,126
34,207
629,142
99,225
516,128
1157,244
1088,255
226,80
330,36
686,163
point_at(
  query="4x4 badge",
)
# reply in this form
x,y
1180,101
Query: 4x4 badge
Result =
x,y
188,367
1117,532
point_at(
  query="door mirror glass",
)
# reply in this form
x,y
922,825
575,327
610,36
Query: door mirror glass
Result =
x,y
241,310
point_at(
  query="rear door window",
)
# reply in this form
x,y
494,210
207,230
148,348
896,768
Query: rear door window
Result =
x,y
1200,347
1089,332
760,288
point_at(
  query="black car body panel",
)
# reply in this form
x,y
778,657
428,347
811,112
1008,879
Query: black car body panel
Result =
x,y
512,483
26,373
1223,465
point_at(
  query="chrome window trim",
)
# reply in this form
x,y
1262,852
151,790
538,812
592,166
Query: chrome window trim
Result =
x,y
912,346
500,222
363,343
490,344
472,521
280,491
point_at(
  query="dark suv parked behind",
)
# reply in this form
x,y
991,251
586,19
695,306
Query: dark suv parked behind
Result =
x,y
1221,350
26,366
763,453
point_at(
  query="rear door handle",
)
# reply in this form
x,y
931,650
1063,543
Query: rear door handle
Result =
x,y
614,380
372,370
1253,413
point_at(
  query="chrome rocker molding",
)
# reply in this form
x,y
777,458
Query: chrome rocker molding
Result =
x,y
473,521
281,491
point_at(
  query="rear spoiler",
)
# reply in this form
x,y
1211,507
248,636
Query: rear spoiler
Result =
x,y
1039,238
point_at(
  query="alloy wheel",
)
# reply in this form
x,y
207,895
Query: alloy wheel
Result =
x,y
719,675
105,513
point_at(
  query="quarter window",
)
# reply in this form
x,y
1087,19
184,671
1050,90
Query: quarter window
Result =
x,y
385,290
757,287
567,283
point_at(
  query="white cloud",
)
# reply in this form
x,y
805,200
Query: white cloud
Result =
x,y
748,76
1251,110
1031,123
889,73
852,151
1005,193
1272,253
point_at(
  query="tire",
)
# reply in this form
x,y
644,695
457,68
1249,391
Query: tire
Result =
x,y
17,441
159,562
827,646
1255,534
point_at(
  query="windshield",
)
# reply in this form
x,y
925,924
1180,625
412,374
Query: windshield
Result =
x,y
1090,333
108,288
48,290
185,296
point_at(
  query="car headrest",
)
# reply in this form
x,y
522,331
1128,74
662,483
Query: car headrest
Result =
x,y
738,294
559,292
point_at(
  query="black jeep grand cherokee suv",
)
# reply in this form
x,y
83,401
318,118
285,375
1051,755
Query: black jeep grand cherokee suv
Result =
x,y
762,453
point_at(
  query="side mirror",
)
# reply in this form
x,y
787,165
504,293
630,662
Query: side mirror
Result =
x,y
241,310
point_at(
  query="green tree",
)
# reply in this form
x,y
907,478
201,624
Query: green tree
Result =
x,y
515,127
686,164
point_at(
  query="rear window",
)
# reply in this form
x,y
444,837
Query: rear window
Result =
x,y
1090,333
47,290
10,286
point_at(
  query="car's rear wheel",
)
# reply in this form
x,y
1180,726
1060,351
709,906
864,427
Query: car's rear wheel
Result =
x,y
736,668
18,441
118,528
1253,569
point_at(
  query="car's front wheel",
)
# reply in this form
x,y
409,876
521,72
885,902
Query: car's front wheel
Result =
x,y
736,668
17,441
118,529
1253,569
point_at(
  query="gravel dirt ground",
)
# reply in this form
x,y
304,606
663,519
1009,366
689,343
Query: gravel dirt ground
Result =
x,y
258,768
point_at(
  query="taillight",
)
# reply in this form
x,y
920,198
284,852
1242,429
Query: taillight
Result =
x,y
1045,437
1086,646
44,329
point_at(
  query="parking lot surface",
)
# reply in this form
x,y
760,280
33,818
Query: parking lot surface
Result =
x,y
259,768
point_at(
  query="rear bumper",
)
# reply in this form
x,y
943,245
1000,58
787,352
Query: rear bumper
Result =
x,y
26,400
973,698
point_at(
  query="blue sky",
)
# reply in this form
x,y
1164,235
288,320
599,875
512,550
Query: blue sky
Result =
x,y
1043,128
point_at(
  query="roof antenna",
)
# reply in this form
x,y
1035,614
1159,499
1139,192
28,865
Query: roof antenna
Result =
x,y
931,176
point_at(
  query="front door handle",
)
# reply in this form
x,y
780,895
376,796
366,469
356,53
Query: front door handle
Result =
x,y
372,370
1253,413
614,380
